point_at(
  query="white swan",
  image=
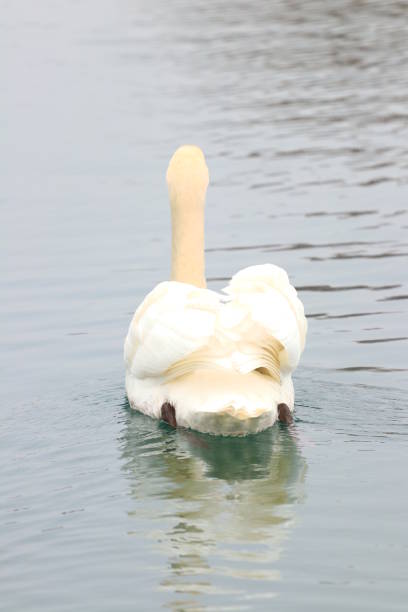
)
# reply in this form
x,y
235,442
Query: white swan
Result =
x,y
195,358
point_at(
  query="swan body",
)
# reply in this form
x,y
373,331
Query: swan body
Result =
x,y
223,361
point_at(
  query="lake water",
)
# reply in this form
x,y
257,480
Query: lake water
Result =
x,y
301,109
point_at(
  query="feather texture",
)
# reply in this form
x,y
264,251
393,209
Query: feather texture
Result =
x,y
224,363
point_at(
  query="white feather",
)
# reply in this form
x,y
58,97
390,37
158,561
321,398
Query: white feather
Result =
x,y
224,365
173,321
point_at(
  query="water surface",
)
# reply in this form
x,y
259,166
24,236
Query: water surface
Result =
x,y
301,108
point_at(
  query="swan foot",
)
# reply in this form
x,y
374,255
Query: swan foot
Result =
x,y
168,414
284,414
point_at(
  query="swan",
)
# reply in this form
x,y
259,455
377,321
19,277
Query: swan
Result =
x,y
218,363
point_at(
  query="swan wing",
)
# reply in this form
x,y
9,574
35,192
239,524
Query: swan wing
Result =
x,y
265,318
174,320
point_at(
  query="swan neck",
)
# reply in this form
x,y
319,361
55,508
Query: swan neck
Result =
x,y
187,218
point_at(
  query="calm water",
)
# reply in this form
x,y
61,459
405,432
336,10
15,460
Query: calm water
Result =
x,y
301,108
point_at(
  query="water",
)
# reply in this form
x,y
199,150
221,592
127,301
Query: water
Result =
x,y
301,108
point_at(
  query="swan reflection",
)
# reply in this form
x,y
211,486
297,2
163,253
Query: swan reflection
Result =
x,y
218,509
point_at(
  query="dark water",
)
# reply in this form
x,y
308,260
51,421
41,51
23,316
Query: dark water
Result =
x,y
301,108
